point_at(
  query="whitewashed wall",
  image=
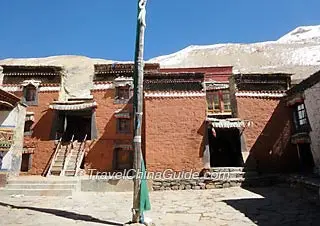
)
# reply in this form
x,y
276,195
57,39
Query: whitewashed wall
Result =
x,y
14,119
312,102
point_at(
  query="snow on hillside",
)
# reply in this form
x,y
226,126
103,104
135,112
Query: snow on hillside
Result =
x,y
302,34
297,52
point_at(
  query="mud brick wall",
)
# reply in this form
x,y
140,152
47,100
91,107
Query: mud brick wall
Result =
x,y
268,138
40,141
100,155
174,129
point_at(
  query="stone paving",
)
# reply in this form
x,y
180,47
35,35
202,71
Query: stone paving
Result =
x,y
278,205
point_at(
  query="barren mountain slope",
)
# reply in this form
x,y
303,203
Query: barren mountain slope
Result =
x,y
297,52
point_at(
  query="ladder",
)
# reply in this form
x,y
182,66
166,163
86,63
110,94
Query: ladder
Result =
x,y
74,158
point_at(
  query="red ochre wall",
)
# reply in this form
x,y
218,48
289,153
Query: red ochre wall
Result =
x,y
101,151
174,133
268,138
40,141
174,129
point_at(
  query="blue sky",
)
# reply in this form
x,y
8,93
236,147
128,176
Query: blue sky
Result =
x,y
106,28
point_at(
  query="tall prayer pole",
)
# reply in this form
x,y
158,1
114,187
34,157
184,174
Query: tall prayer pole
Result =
x,y
138,106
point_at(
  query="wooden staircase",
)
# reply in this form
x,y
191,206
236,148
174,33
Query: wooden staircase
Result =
x,y
67,158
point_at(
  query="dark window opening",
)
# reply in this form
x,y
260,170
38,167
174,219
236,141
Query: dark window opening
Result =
x,y
26,162
123,92
28,127
225,147
123,125
30,94
123,159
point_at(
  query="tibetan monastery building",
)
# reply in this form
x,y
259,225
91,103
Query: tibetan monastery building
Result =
x,y
194,118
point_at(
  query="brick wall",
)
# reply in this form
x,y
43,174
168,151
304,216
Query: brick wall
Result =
x,y
40,139
101,152
268,139
174,133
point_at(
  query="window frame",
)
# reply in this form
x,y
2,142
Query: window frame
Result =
x,y
32,102
121,100
29,132
129,126
116,163
220,107
305,127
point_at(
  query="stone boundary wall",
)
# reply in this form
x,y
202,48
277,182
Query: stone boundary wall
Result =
x,y
205,183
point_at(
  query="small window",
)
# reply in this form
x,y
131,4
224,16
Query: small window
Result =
x,y
123,93
28,127
30,95
123,125
218,101
123,159
26,162
300,118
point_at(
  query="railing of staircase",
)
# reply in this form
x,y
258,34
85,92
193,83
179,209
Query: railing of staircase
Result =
x,y
54,156
67,156
82,151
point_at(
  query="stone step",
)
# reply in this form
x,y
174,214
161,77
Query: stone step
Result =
x,y
36,192
41,186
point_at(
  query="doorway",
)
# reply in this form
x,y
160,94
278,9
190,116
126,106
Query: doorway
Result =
x,y
306,158
225,147
76,124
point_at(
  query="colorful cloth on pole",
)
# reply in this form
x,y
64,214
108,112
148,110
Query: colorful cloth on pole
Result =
x,y
144,191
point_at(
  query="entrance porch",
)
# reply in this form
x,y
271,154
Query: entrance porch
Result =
x,y
224,146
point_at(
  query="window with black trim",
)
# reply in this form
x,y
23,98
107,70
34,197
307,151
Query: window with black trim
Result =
x,y
28,127
123,94
301,118
30,95
123,125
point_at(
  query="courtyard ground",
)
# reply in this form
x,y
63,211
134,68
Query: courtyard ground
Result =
x,y
277,205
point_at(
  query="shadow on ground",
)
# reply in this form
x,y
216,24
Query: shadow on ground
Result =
x,y
279,205
62,213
